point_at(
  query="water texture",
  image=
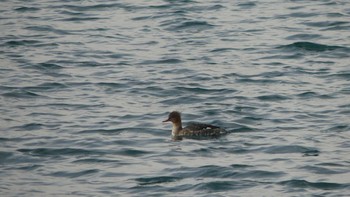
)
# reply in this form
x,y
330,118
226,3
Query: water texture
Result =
x,y
84,86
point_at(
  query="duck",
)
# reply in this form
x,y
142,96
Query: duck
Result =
x,y
193,129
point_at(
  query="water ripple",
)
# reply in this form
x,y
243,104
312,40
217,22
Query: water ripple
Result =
x,y
74,174
48,152
307,151
27,9
309,46
85,86
156,180
317,185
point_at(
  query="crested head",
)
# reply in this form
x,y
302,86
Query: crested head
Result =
x,y
174,117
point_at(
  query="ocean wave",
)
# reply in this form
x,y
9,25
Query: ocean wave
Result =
x,y
22,94
286,149
156,180
303,37
103,131
313,47
47,28
273,97
27,9
77,19
295,183
163,61
215,186
4,155
95,7
194,26
326,23
14,43
74,174
52,152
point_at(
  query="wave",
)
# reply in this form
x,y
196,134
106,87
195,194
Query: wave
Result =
x,y
163,61
31,91
273,97
156,180
303,36
21,42
310,46
315,185
4,155
47,28
47,66
21,93
323,170
326,23
193,26
49,152
74,174
83,19
343,74
101,6
306,151
27,9
28,127
222,49
96,160
339,128
103,131
214,186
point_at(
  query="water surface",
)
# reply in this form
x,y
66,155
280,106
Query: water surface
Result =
x,y
84,86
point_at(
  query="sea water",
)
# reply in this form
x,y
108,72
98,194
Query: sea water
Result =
x,y
85,85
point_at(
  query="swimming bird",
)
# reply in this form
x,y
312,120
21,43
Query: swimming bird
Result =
x,y
193,129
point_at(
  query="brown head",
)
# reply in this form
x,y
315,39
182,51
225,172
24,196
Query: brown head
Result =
x,y
174,117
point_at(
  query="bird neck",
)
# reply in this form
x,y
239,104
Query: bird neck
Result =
x,y
177,127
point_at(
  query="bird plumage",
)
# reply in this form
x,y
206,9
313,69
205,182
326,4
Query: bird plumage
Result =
x,y
193,129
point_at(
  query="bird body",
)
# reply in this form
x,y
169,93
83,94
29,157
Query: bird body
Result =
x,y
193,129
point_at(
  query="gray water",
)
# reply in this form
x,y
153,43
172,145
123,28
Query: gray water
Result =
x,y
85,85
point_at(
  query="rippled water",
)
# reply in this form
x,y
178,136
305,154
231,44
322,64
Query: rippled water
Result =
x,y
85,86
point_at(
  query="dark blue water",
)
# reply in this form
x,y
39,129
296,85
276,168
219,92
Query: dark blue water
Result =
x,y
84,86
